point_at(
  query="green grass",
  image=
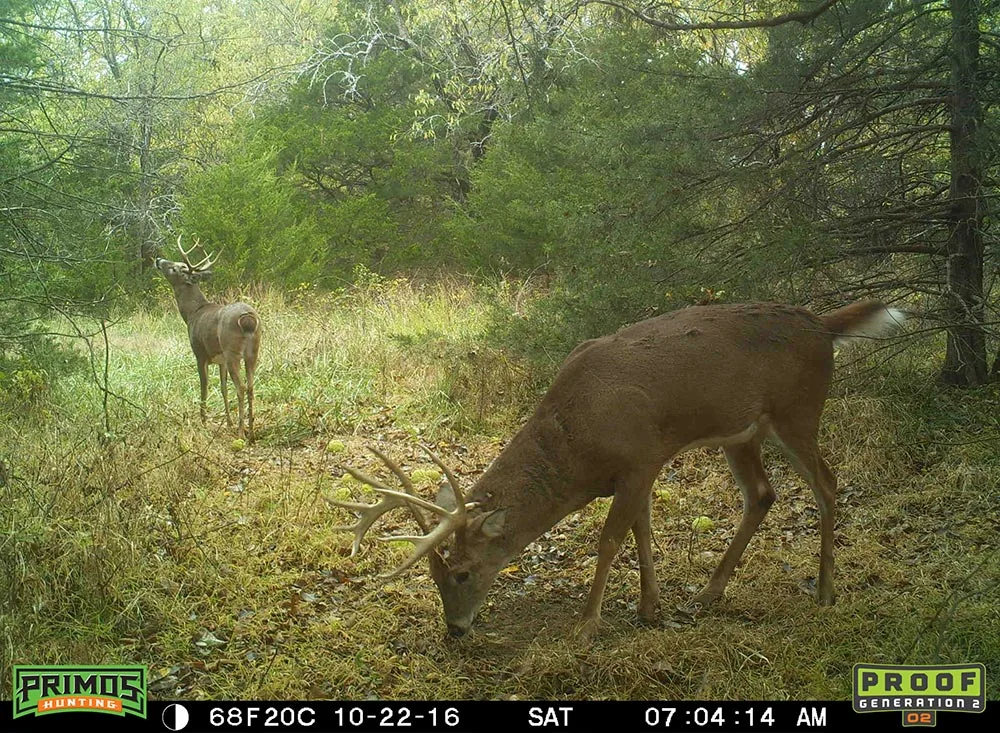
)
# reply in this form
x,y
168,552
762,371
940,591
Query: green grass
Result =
x,y
154,542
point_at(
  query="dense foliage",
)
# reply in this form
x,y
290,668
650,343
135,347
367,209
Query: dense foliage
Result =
x,y
629,159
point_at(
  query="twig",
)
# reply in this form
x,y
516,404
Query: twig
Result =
x,y
947,603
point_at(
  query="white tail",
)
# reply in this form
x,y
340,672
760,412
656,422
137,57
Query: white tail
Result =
x,y
861,320
621,406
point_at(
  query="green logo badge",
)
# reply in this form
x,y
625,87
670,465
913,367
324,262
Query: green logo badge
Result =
x,y
919,691
62,689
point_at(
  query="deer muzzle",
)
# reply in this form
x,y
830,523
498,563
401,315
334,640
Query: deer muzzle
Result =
x,y
461,625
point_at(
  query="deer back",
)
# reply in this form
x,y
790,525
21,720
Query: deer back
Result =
x,y
698,374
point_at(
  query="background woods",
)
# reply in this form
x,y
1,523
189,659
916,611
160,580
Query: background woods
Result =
x,y
430,203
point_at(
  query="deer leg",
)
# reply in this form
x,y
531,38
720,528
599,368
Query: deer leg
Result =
x,y
203,378
758,495
250,369
802,451
234,371
631,500
649,590
225,393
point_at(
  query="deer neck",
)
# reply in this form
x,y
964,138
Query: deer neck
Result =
x,y
190,300
535,484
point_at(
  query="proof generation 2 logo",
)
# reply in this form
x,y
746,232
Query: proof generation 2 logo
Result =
x,y
919,691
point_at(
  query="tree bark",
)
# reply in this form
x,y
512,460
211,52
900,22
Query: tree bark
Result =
x,y
965,360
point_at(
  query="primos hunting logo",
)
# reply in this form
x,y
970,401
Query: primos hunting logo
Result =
x,y
62,689
919,691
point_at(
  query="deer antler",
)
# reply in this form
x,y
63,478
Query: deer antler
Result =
x,y
451,521
209,259
204,264
460,506
185,253
407,486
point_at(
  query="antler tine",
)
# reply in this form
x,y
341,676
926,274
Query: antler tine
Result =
x,y
427,543
451,521
407,486
185,253
206,262
369,513
212,259
460,505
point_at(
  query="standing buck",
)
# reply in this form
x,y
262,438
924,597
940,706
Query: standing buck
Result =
x,y
620,407
219,334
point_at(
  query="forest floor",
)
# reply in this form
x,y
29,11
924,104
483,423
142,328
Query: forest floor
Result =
x,y
133,534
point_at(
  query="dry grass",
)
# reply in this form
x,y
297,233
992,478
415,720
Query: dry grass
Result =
x,y
220,569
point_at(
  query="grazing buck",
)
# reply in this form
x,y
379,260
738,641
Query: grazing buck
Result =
x,y
219,334
620,407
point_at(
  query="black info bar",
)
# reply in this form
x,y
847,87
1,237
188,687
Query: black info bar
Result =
x,y
473,716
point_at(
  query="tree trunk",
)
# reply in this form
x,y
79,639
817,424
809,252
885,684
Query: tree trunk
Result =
x,y
146,232
965,360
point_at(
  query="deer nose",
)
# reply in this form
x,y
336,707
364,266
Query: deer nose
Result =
x,y
457,631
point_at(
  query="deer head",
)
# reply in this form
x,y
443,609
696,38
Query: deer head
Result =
x,y
182,274
463,557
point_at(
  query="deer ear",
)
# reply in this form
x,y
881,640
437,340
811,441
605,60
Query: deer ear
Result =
x,y
201,275
489,524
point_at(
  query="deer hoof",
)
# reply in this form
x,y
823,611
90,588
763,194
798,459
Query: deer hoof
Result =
x,y
650,616
587,630
696,605
823,595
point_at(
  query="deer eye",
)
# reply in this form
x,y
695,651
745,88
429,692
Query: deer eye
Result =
x,y
461,577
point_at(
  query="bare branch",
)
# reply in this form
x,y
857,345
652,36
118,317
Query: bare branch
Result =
x,y
803,16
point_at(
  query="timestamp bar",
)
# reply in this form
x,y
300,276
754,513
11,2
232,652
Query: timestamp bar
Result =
x,y
371,715
464,716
